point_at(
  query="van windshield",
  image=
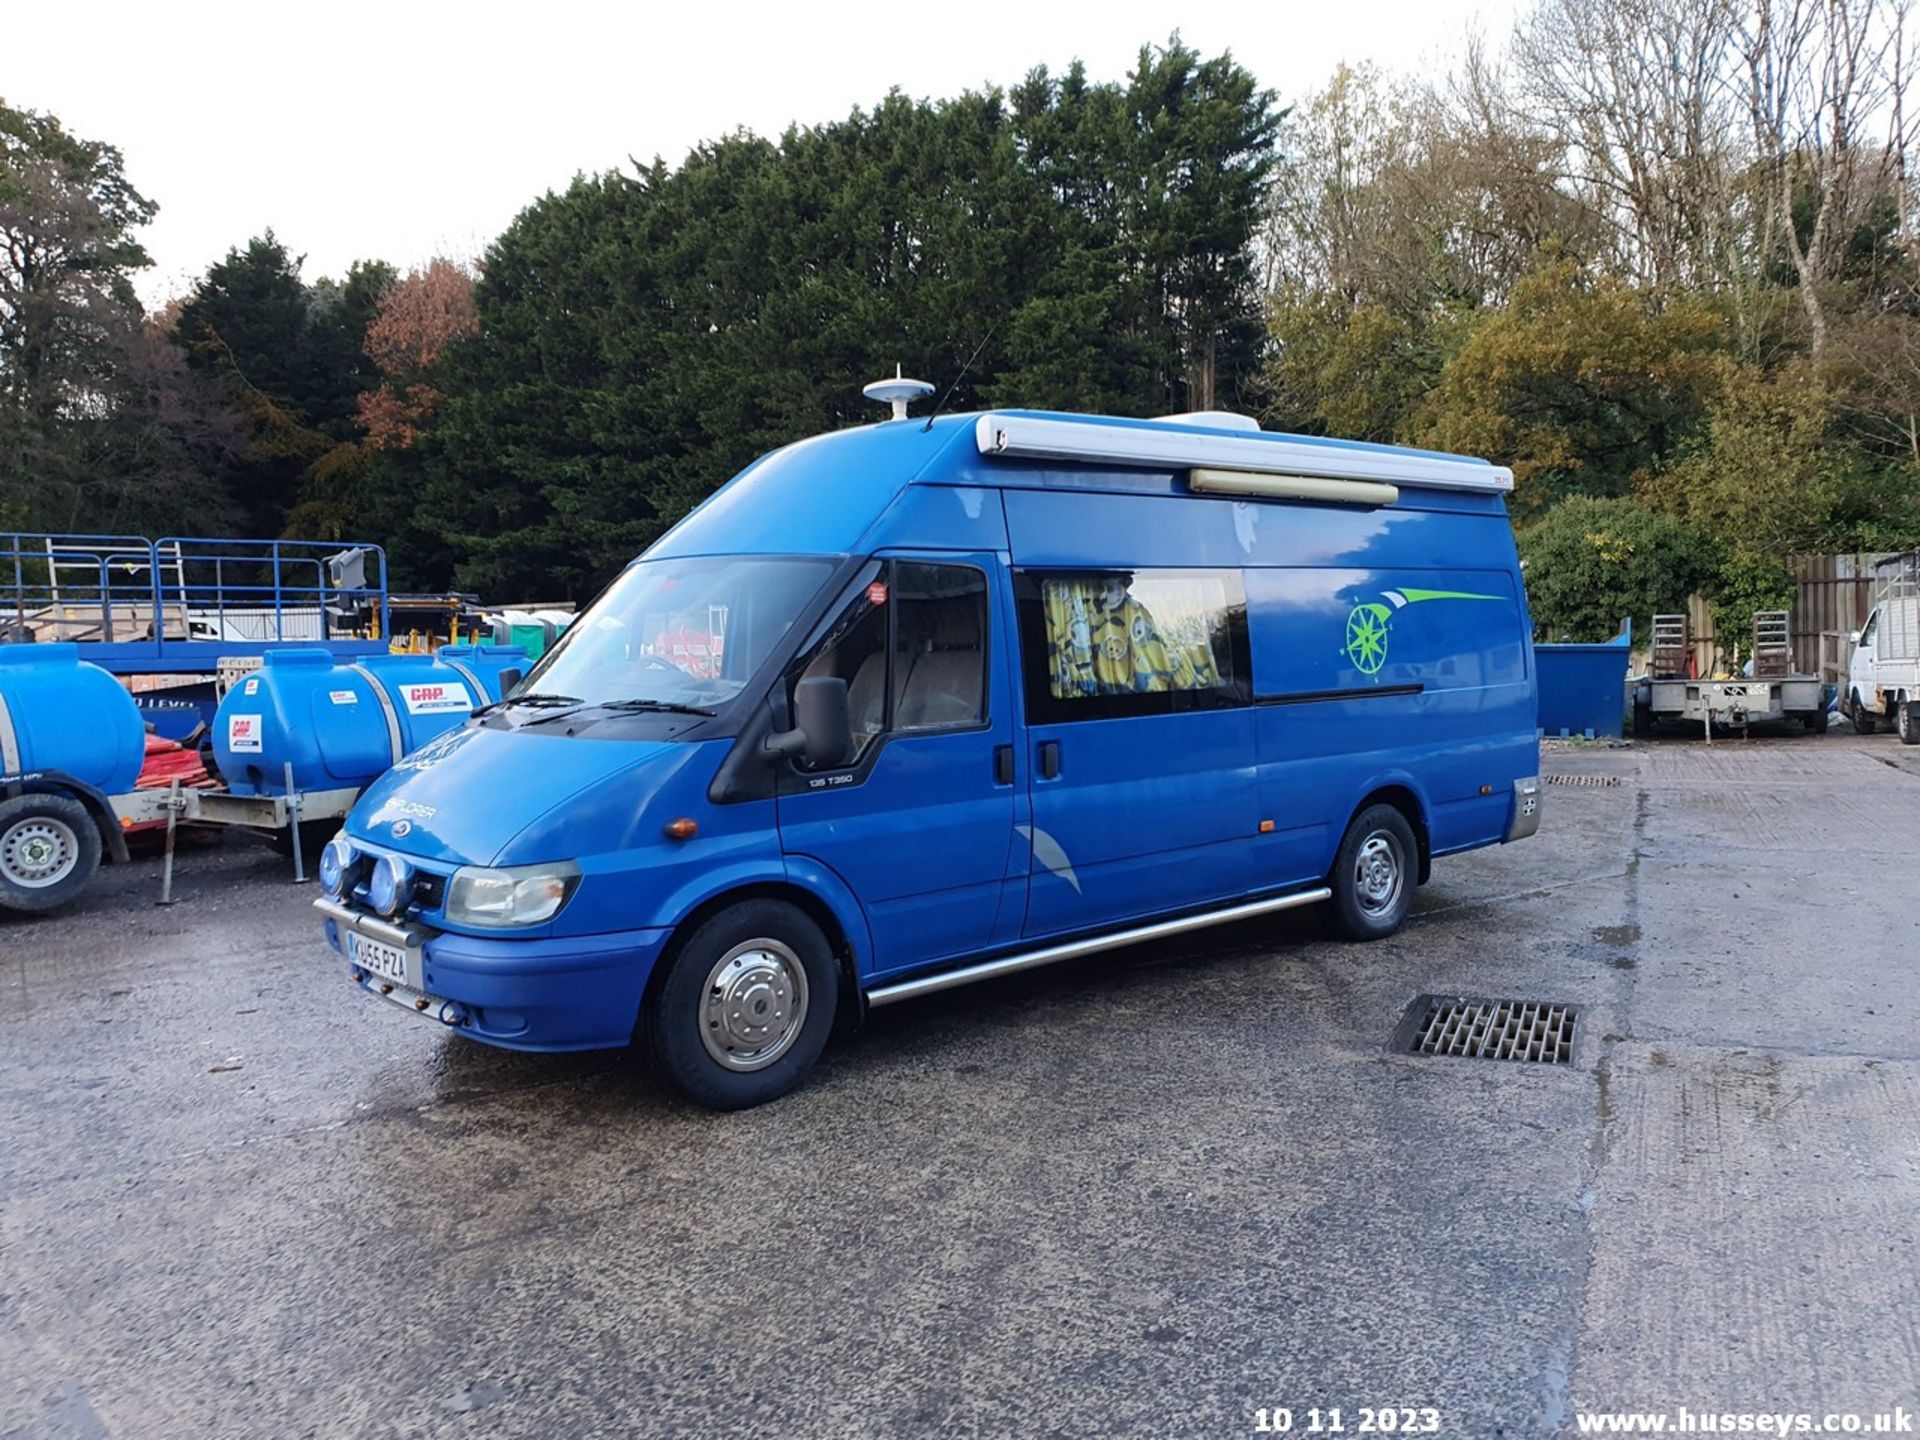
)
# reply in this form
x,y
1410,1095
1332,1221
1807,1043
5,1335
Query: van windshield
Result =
x,y
679,632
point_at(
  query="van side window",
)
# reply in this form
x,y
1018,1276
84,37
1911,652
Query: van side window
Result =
x,y
1097,644
939,647
912,647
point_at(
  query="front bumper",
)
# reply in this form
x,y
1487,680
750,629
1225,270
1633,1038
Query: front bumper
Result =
x,y
577,993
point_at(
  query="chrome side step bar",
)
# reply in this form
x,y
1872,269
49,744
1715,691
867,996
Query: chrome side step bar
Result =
x,y
1072,949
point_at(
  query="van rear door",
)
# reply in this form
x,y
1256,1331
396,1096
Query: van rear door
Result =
x,y
1140,742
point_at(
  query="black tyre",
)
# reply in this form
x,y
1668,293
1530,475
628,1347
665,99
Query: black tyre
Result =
x,y
1642,721
1816,721
1374,873
746,1006
1865,722
49,849
1906,722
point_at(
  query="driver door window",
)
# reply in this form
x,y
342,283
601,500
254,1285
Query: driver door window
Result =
x,y
855,650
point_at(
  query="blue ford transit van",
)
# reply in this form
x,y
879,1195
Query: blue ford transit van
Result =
x,y
906,706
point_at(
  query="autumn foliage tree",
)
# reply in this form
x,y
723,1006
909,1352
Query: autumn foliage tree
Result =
x,y
417,319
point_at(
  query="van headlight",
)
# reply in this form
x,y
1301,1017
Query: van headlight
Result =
x,y
517,895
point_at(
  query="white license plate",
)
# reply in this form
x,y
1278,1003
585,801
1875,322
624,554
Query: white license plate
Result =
x,y
380,960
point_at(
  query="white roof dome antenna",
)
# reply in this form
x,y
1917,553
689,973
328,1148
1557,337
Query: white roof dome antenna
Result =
x,y
1213,419
899,392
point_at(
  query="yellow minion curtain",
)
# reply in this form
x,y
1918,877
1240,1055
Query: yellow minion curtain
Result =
x,y
1101,640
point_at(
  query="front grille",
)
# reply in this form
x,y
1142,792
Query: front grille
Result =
x,y
1473,1029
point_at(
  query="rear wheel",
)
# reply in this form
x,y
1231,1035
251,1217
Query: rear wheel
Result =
x,y
1865,722
1907,722
1374,873
49,849
746,1006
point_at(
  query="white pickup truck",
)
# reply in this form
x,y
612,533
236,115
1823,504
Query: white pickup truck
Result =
x,y
1883,677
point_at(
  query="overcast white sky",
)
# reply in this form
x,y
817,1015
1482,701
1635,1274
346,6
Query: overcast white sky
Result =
x,y
404,130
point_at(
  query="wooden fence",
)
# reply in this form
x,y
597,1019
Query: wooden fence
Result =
x,y
1832,593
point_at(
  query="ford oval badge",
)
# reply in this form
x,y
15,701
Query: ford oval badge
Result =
x,y
402,829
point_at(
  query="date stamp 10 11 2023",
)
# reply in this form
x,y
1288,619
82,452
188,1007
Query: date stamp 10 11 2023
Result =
x,y
1359,1420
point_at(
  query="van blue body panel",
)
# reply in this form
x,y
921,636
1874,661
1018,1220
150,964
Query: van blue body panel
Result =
x,y
817,497
581,993
1360,652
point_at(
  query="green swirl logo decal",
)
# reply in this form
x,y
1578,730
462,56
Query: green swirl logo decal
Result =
x,y
1370,622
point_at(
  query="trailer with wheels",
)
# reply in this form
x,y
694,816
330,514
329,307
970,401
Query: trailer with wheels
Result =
x,y
1883,674
56,830
72,746
297,741
1772,691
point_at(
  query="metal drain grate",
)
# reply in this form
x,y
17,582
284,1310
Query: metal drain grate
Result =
x,y
1487,1029
1595,780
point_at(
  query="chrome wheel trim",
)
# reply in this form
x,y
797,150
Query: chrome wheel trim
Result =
x,y
1378,873
38,852
753,1004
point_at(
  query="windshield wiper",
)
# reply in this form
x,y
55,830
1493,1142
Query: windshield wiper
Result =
x,y
630,707
537,701
672,707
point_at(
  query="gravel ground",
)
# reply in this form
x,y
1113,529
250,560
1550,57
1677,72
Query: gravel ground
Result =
x,y
1145,1194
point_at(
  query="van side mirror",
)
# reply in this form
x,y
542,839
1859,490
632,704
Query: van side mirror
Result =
x,y
1853,637
822,733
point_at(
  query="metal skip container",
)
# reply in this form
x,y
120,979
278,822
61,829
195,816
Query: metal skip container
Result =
x,y
340,726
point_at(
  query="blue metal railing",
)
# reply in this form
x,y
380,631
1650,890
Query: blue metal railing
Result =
x,y
181,602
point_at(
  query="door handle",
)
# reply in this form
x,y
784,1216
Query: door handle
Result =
x,y
1003,764
1049,759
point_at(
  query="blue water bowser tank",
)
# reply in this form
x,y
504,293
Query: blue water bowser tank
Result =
x,y
489,663
59,713
340,726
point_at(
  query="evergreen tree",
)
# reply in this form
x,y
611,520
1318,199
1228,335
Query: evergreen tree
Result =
x,y
291,359
643,336
68,249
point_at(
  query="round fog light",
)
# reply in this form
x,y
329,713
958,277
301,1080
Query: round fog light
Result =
x,y
391,886
334,861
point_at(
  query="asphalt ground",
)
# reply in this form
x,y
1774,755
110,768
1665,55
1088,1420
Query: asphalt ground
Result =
x,y
1145,1194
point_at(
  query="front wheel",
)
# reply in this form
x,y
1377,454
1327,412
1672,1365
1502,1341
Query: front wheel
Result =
x,y
49,849
746,1006
1865,722
1374,874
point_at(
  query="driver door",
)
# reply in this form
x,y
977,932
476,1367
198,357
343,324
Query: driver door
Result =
x,y
1861,675
920,823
